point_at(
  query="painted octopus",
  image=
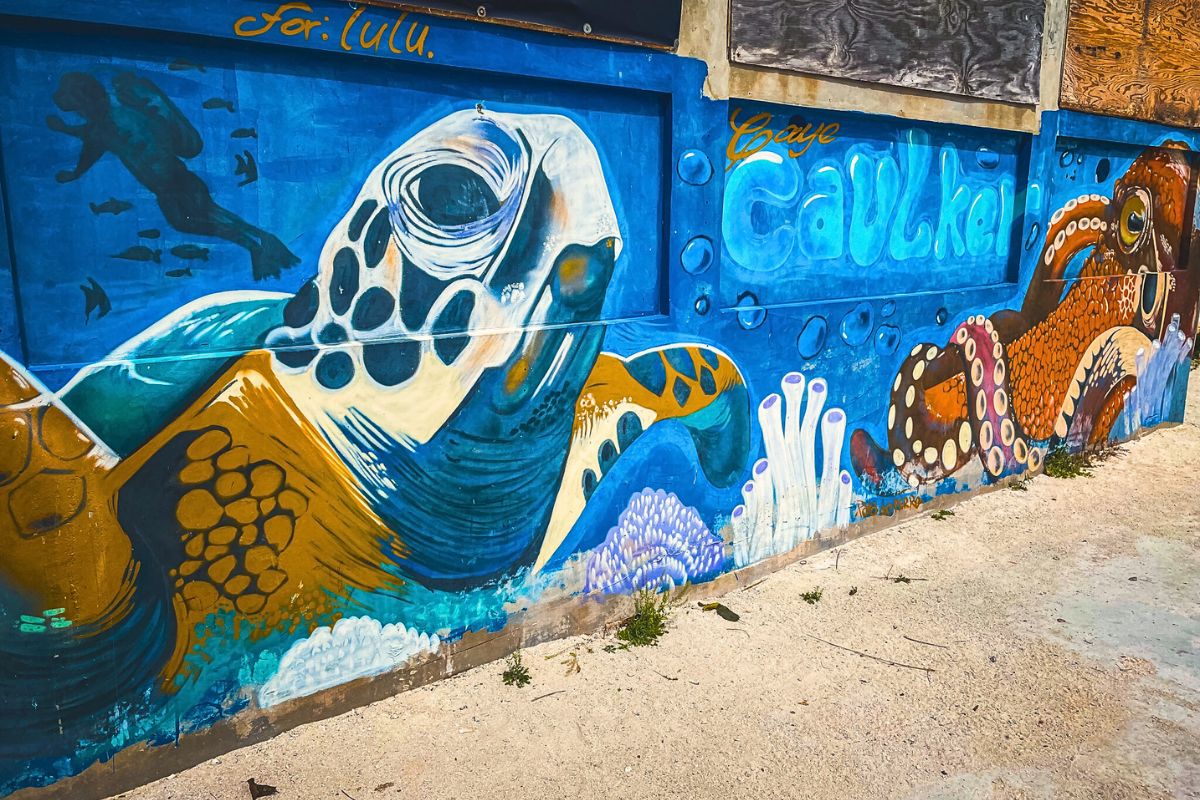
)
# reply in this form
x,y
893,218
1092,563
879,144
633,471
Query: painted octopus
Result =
x,y
1058,370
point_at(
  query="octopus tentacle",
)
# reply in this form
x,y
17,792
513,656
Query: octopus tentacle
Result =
x,y
1075,227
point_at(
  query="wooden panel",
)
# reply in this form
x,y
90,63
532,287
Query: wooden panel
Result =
x,y
1134,60
982,48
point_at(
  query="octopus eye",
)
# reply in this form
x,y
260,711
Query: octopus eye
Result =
x,y
1133,219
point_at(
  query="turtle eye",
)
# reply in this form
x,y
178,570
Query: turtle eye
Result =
x,y
1134,219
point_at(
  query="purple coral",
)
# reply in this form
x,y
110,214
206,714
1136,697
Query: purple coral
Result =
x,y
658,543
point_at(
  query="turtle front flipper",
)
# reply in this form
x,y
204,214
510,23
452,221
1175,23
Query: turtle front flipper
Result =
x,y
75,629
248,517
697,385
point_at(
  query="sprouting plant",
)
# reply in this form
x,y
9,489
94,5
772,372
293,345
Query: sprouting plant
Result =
x,y
813,596
945,513
853,591
648,623
902,578
1021,485
516,674
1060,463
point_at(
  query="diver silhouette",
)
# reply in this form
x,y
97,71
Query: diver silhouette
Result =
x,y
150,136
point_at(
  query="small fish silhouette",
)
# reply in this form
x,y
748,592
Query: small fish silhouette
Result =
x,y
258,790
246,165
218,102
110,206
139,252
149,233
182,64
244,133
94,298
179,273
190,251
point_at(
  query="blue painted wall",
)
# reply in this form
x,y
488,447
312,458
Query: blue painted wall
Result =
x,y
366,337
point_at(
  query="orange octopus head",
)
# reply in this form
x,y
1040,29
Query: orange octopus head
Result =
x,y
1139,232
1145,235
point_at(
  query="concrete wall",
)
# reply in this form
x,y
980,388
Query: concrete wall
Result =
x,y
346,349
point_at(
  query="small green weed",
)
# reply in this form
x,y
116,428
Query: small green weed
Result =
x,y
517,674
1063,464
853,591
945,513
901,579
1020,486
648,623
813,597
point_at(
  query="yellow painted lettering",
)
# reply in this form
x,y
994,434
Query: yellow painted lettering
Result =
x,y
419,47
392,35
348,26
759,138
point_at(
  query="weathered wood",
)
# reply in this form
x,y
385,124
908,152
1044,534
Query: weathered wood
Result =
x,y
981,48
1139,60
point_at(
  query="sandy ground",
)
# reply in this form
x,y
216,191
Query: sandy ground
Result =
x,y
1060,625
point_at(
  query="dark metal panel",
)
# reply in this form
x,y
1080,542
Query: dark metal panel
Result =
x,y
981,48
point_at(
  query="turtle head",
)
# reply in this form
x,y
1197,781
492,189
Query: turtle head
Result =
x,y
478,230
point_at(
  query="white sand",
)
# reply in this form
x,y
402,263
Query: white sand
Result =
x,y
1056,674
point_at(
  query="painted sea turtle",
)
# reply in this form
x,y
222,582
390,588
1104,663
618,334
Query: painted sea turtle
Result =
x,y
434,405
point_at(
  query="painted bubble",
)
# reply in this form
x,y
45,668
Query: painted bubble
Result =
x,y
811,340
702,304
697,255
694,167
888,309
857,324
887,339
987,158
941,316
1066,157
1103,167
750,315
1035,230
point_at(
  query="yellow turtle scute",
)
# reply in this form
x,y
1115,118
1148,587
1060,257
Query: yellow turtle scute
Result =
x,y
244,510
46,501
208,444
265,480
234,458
220,570
61,436
196,472
259,558
231,484
236,585
278,530
270,580
251,603
198,510
15,387
15,441
223,535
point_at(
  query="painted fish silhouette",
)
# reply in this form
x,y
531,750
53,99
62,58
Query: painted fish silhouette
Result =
x,y
190,251
149,233
247,166
244,133
179,273
139,252
94,298
218,102
110,206
182,64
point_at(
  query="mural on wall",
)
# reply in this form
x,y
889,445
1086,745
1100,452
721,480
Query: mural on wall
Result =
x,y
452,385
1059,369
